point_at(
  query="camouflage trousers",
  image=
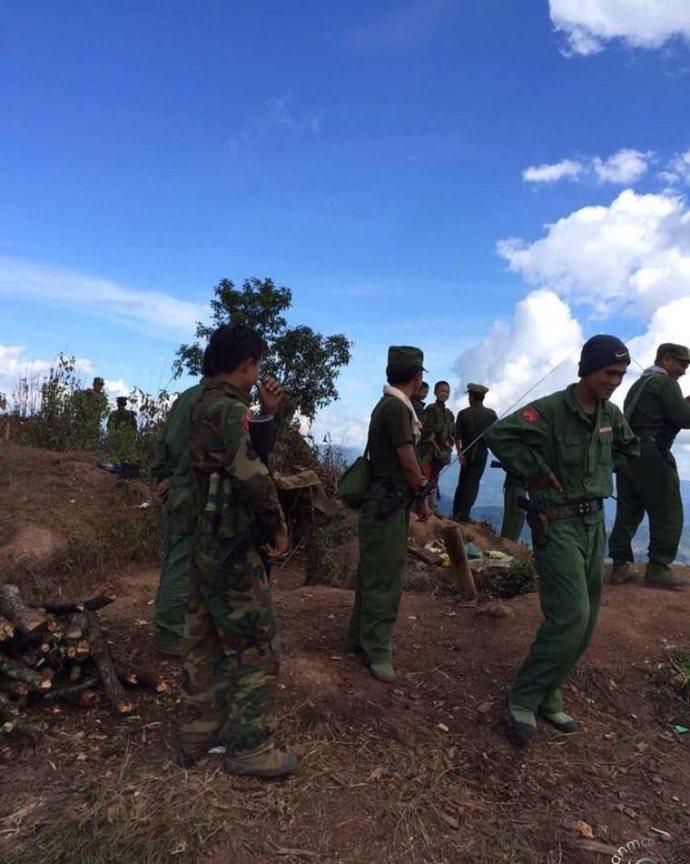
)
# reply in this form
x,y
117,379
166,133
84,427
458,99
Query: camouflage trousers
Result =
x,y
230,653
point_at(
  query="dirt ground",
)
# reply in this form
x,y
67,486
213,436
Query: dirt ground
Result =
x,y
420,771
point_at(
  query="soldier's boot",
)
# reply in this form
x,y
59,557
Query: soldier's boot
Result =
x,y
383,672
620,573
661,576
522,724
262,761
560,720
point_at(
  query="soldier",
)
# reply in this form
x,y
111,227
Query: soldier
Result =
x,y
657,411
470,425
229,648
90,409
384,516
437,439
122,417
566,445
419,400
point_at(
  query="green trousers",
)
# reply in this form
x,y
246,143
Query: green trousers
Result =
x,y
513,516
173,589
569,563
382,557
649,485
468,485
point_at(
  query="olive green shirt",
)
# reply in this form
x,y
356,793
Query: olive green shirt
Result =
x,y
172,440
470,424
390,427
553,435
661,411
437,432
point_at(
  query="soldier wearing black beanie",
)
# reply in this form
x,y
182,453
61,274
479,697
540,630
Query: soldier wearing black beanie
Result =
x,y
600,351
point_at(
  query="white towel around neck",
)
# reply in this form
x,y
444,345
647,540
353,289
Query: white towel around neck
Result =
x,y
389,390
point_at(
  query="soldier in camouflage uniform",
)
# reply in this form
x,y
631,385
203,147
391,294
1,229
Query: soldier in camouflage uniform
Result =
x,y
229,648
90,409
438,435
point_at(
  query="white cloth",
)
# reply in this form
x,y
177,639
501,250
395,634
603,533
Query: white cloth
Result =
x,y
654,370
389,390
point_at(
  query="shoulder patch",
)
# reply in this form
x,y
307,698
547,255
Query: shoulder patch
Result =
x,y
530,414
245,421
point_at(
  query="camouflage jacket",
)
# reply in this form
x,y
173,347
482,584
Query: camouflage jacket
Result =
x,y
233,491
438,433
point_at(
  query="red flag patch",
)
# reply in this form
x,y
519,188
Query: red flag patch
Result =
x,y
245,422
530,414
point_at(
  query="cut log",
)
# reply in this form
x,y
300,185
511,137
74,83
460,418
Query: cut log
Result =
x,y
17,671
73,692
6,629
459,564
141,678
422,555
22,616
106,668
60,606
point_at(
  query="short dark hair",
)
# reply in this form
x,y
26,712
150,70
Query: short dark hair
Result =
x,y
231,345
396,374
424,385
441,384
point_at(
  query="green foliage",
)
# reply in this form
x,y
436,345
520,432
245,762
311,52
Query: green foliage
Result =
x,y
519,578
306,362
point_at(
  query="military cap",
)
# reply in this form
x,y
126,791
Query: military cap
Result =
x,y
405,355
678,352
98,381
121,400
479,389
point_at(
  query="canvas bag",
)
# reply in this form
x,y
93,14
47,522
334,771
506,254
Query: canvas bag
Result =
x,y
355,482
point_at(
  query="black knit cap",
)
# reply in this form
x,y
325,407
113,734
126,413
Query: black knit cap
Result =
x,y
600,351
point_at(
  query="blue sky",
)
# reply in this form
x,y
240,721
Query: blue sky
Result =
x,y
370,156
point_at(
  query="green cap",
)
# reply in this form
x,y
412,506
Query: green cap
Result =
x,y
480,389
121,400
679,352
405,355
98,381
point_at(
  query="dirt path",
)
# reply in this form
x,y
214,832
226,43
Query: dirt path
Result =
x,y
418,772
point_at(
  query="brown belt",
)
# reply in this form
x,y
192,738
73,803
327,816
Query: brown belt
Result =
x,y
583,508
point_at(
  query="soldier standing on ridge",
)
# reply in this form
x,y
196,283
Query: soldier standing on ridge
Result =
x,y
122,416
229,647
90,409
396,481
437,440
566,445
470,425
657,411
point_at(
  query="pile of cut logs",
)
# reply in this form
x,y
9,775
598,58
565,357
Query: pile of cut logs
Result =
x,y
58,651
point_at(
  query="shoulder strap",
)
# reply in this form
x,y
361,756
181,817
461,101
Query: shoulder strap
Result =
x,y
628,411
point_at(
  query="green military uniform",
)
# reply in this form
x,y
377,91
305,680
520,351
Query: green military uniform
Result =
x,y
383,524
122,418
90,408
555,436
437,438
657,411
230,651
514,487
470,425
177,522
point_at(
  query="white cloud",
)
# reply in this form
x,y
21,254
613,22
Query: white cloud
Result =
x,y
589,24
158,312
624,167
515,354
16,364
677,170
568,169
629,257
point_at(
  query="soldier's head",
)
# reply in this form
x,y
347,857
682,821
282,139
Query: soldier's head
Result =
x,y
476,393
442,391
604,360
234,353
423,391
673,358
405,368
98,384
121,402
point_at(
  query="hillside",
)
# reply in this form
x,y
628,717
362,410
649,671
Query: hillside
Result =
x,y
419,772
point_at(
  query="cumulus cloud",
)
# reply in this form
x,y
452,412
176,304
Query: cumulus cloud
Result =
x,y
516,354
160,313
588,25
567,169
16,363
677,170
622,168
629,257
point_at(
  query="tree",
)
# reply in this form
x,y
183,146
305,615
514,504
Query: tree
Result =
x,y
306,362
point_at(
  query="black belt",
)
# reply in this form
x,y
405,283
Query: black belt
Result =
x,y
582,508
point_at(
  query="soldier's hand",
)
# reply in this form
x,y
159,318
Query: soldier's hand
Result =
x,y
270,395
462,459
279,545
163,488
421,509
